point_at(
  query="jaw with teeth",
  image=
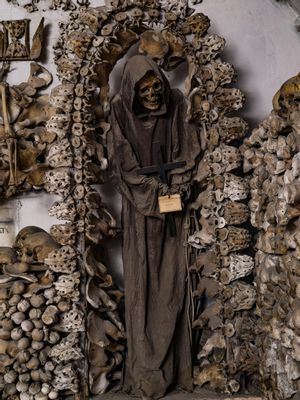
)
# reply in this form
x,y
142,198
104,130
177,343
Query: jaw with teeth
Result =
x,y
149,91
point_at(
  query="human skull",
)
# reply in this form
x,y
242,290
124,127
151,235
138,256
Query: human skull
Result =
x,y
176,53
288,94
149,91
34,244
154,45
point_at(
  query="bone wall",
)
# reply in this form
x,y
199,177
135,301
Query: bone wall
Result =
x,y
261,50
257,33
271,154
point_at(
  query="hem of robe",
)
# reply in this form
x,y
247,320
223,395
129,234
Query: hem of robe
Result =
x,y
138,392
138,389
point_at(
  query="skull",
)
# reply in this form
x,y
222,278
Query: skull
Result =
x,y
154,45
288,94
149,91
34,244
176,53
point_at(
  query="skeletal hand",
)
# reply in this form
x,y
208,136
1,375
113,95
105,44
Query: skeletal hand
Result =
x,y
163,189
183,190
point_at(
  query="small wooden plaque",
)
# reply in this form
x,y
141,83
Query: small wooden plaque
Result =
x,y
170,203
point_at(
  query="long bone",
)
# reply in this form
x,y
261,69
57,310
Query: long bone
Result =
x,y
10,138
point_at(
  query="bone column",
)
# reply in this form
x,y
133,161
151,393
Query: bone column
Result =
x,y
10,138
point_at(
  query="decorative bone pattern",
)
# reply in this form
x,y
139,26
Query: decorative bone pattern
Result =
x,y
271,154
69,135
34,300
221,260
24,138
89,46
15,43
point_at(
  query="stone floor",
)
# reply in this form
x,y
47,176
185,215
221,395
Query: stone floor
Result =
x,y
199,395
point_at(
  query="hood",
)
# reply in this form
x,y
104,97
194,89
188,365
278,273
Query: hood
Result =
x,y
135,69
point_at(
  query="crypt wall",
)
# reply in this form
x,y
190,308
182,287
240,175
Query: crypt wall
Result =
x,y
257,36
261,42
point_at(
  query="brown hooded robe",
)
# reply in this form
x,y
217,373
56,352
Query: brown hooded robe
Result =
x,y
156,313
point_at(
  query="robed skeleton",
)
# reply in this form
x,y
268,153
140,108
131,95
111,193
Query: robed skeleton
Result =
x,y
146,111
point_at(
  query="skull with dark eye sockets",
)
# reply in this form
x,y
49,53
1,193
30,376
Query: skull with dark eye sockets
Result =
x,y
149,91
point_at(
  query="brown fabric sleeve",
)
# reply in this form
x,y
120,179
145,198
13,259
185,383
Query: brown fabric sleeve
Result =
x,y
185,146
141,191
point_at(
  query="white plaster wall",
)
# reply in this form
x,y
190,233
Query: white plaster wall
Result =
x,y
262,44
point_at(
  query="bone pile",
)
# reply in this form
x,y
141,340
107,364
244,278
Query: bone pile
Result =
x,y
272,155
24,139
220,241
74,160
40,322
38,6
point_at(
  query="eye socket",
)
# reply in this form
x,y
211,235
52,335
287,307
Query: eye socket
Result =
x,y
144,90
157,85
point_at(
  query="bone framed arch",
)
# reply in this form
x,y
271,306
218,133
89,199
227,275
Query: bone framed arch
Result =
x,y
89,46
